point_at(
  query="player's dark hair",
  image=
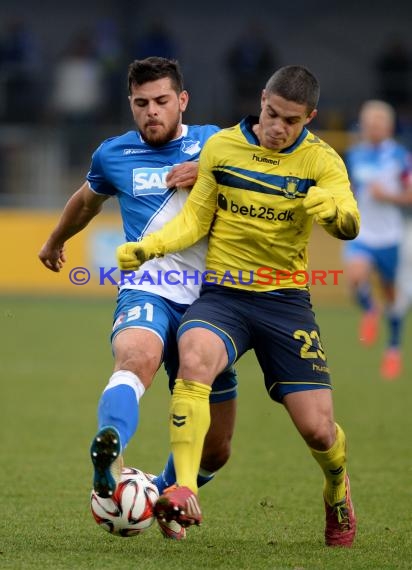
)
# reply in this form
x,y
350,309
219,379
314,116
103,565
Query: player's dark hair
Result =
x,y
153,68
295,83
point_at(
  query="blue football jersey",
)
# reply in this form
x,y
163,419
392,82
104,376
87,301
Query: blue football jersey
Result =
x,y
388,165
135,172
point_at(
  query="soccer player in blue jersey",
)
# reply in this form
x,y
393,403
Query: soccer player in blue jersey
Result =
x,y
150,171
380,169
261,184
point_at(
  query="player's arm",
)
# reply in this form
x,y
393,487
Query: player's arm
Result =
x,y
331,201
404,198
82,207
335,209
189,226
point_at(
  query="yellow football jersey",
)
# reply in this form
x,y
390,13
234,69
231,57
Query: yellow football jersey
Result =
x,y
250,200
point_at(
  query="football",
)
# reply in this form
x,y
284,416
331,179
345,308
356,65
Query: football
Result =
x,y
130,510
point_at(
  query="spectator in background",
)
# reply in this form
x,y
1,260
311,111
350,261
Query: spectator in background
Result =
x,y
110,52
381,176
249,62
78,94
19,67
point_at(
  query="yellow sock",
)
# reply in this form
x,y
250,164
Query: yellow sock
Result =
x,y
333,464
189,422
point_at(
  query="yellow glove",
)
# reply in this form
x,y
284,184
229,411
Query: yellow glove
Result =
x,y
319,202
132,254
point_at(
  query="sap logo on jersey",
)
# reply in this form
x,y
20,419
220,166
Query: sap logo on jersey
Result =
x,y
150,180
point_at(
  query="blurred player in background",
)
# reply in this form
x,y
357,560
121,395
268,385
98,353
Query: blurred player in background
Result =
x,y
261,184
380,170
150,171
403,286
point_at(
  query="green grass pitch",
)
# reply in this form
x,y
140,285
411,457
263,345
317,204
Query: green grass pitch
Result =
x,y
263,511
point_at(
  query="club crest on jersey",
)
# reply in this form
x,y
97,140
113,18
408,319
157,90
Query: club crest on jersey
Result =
x,y
150,181
291,187
190,147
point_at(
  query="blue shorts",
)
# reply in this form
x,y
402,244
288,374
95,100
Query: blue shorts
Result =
x,y
279,326
139,309
384,259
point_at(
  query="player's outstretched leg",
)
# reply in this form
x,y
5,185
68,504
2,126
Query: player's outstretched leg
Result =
x,y
340,527
189,424
105,453
178,504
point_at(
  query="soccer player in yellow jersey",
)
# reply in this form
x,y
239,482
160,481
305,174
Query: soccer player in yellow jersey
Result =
x,y
261,185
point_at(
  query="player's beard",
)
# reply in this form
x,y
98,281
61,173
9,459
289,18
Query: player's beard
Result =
x,y
161,136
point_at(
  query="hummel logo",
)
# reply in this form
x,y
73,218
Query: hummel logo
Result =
x,y
274,161
178,421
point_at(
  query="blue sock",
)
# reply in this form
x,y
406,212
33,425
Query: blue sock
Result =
x,y
364,297
118,407
395,329
168,476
